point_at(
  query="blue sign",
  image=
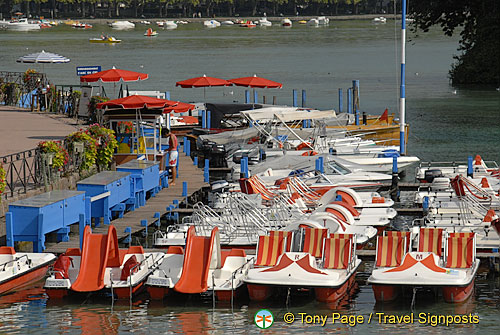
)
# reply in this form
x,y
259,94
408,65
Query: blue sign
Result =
x,y
85,70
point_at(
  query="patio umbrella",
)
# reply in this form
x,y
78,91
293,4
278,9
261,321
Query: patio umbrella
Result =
x,y
204,82
136,102
113,75
255,82
43,58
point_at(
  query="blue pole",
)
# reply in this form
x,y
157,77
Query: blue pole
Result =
x,y
294,98
188,147
185,191
394,165
203,119
208,119
247,96
425,204
470,170
184,140
349,100
341,102
255,97
195,161
321,165
402,100
303,98
206,171
167,95
357,117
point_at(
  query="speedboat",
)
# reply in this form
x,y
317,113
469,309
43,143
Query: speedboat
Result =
x,y
110,40
380,19
313,23
264,22
450,269
308,259
150,32
101,267
227,23
19,269
21,25
286,23
323,20
170,25
211,23
122,25
202,268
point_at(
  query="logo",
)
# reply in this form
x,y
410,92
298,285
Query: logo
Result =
x,y
263,319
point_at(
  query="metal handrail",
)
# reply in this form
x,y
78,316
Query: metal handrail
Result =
x,y
28,261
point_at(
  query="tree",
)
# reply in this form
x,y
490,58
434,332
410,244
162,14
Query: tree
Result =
x,y
478,23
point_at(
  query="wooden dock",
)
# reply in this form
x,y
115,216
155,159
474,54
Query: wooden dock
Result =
x,y
187,172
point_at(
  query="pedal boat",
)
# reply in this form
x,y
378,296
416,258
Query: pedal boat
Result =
x,y
110,40
101,268
325,263
397,267
18,269
202,268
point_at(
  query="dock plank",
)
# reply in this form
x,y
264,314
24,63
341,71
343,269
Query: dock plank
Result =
x,y
187,172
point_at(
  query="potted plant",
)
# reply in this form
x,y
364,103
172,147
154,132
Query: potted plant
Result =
x,y
107,144
3,181
56,155
84,144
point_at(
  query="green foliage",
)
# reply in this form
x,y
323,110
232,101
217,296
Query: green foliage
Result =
x,y
478,23
60,155
106,143
3,181
90,148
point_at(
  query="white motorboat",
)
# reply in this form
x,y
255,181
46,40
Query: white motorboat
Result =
x,y
227,23
305,259
101,267
211,24
264,22
451,269
20,25
170,25
203,267
380,19
286,23
122,25
313,23
19,269
323,21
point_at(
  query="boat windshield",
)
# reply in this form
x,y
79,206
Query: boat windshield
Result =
x,y
333,167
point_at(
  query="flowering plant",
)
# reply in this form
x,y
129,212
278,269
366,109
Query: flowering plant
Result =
x,y
61,156
125,127
107,143
28,75
90,148
3,181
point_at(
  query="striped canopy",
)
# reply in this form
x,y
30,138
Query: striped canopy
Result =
x,y
43,57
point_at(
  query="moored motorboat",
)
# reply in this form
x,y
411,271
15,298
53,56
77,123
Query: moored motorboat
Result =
x,y
101,267
79,25
451,269
21,24
122,25
18,269
308,259
248,24
211,23
313,23
286,23
264,22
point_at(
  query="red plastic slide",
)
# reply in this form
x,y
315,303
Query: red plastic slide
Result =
x,y
197,260
99,251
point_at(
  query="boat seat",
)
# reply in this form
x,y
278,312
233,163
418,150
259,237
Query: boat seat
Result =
x,y
127,267
313,241
405,234
390,251
61,267
460,252
7,251
338,251
73,252
287,235
175,250
135,249
431,240
269,248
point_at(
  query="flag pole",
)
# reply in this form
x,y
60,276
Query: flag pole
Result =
x,y
402,102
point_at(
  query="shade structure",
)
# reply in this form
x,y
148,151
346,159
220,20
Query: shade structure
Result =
x,y
136,102
255,82
203,81
43,57
145,102
113,75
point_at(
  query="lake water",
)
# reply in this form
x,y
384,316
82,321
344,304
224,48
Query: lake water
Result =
x,y
446,124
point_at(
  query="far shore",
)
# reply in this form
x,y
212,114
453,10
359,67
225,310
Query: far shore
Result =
x,y
222,18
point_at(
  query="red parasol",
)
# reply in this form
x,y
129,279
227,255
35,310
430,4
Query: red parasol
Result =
x,y
136,102
255,82
203,82
178,107
113,75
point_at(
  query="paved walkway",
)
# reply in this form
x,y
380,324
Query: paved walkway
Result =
x,y
22,130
